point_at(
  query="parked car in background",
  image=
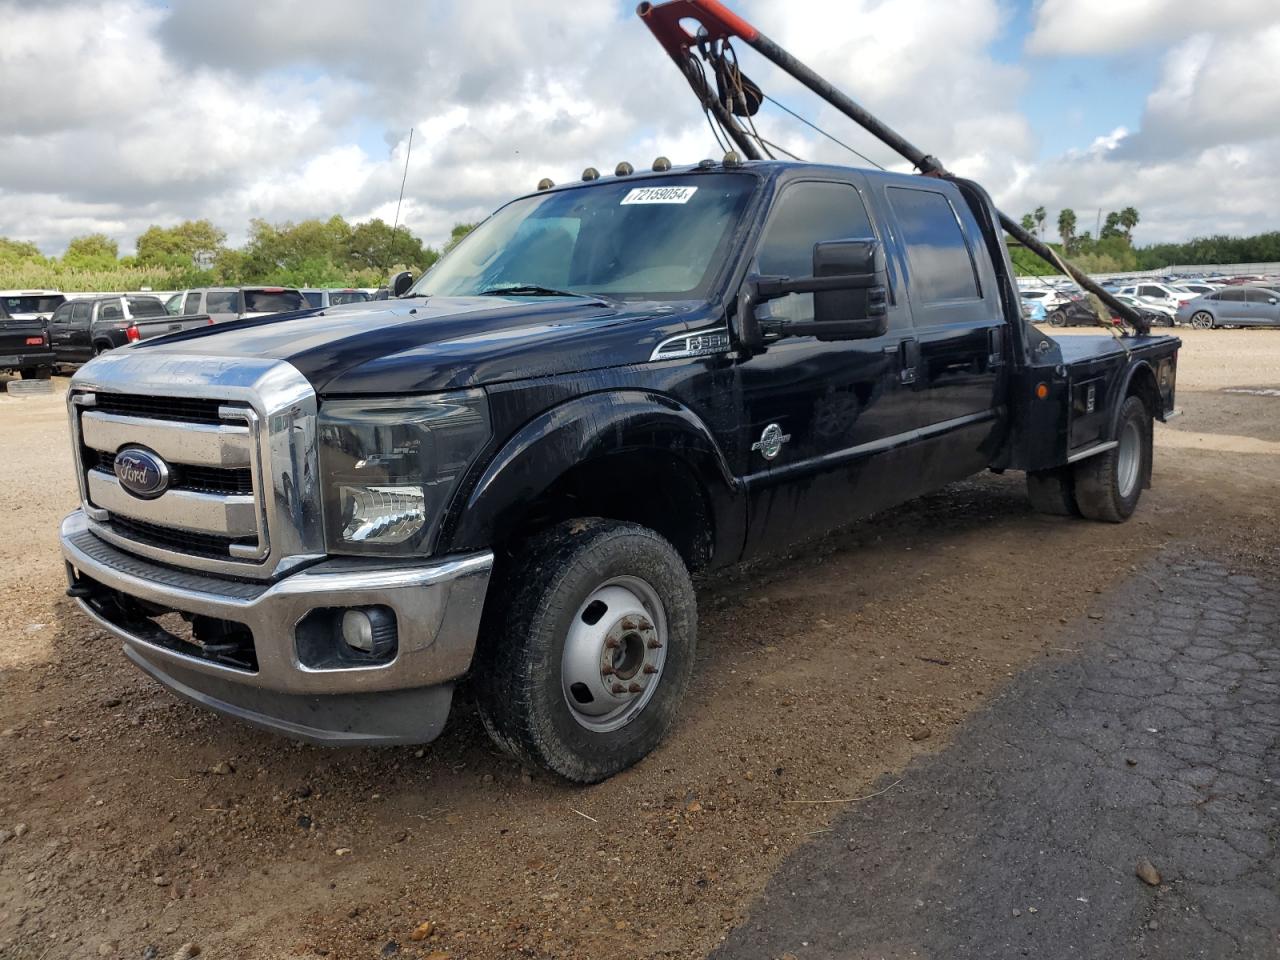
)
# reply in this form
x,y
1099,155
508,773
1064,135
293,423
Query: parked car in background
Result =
x,y
24,346
237,303
30,304
1161,294
1155,314
83,328
1233,307
328,297
1033,309
1048,296
1197,287
1073,313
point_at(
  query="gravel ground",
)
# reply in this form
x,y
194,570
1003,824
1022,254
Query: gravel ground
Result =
x,y
150,824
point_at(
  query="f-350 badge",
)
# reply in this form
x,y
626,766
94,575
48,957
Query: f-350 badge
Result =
x,y
771,441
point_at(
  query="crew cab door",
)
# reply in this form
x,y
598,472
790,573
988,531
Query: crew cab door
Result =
x,y
60,331
79,343
960,325
828,424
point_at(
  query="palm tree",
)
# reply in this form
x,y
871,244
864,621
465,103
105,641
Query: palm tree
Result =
x,y
1028,223
1067,229
1129,219
1041,215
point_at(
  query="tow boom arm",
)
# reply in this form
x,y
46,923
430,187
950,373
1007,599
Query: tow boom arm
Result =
x,y
719,24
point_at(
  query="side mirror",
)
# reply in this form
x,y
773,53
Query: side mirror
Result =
x,y
850,287
399,285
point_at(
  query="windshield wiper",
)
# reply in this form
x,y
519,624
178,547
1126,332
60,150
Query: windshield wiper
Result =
x,y
536,290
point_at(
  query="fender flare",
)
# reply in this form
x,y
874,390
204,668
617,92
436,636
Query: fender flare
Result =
x,y
1122,391
562,437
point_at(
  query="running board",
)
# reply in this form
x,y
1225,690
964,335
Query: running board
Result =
x,y
1092,451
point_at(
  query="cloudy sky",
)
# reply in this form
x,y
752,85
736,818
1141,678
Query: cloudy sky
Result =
x,y
121,113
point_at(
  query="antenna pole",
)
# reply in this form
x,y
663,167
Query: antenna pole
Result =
x,y
407,153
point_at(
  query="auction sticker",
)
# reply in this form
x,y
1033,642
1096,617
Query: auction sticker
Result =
x,y
659,195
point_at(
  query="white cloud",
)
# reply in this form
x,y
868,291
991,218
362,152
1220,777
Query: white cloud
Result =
x,y
1093,27
123,113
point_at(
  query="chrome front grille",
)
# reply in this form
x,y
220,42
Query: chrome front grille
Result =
x,y
238,441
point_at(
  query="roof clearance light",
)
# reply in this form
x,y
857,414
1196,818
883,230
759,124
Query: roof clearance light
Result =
x,y
623,169
731,159
546,183
661,165
591,173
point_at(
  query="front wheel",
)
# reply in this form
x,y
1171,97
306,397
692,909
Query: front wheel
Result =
x,y
1202,320
1057,318
1109,484
586,648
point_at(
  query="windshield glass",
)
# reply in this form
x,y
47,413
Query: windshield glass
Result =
x,y
272,301
32,303
655,239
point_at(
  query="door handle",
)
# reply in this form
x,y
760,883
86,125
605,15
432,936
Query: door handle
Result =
x,y
909,358
995,353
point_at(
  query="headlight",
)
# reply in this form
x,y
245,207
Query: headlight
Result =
x,y
389,468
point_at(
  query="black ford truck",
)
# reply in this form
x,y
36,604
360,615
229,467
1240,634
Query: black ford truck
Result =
x,y
320,522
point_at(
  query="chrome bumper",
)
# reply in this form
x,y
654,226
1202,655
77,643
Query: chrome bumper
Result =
x,y
437,607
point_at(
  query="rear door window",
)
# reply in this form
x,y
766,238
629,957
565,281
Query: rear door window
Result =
x,y
110,310
222,301
192,306
272,301
80,313
315,298
942,267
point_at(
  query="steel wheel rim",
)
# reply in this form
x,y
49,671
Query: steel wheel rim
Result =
x,y
614,654
1202,321
1129,459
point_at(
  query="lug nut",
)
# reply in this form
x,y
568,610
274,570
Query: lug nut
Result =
x,y
606,671
618,688
654,644
611,643
650,668
628,624
634,688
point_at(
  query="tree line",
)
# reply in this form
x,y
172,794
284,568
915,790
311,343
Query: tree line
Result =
x,y
1112,251
195,253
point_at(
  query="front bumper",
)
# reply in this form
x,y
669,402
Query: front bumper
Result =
x,y
437,607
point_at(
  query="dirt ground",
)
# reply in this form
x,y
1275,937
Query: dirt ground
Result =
x,y
147,823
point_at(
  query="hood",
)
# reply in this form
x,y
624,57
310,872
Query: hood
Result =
x,y
421,344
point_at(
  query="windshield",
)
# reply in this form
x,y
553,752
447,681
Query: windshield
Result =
x,y
655,239
272,301
32,303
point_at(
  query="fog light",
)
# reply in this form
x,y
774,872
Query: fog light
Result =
x,y
370,631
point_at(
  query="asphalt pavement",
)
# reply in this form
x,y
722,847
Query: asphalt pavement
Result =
x,y
1153,734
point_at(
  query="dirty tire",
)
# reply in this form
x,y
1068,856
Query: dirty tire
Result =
x,y
36,373
537,595
1053,492
1101,491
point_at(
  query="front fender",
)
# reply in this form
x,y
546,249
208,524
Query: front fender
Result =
x,y
582,429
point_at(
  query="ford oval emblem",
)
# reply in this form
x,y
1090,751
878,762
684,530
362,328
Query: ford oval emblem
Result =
x,y
142,473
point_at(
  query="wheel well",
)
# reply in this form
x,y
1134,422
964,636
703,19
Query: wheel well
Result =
x,y
656,490
1143,386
